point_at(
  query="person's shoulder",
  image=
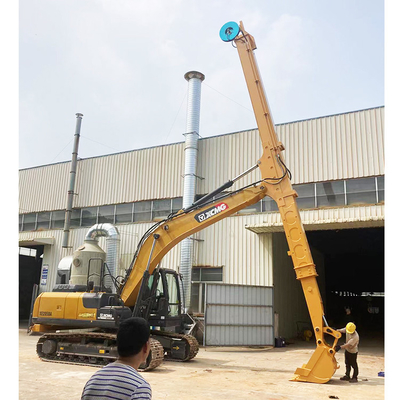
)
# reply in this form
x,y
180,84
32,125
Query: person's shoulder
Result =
x,y
128,370
114,369
143,391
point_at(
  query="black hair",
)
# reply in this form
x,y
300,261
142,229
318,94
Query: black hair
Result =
x,y
132,335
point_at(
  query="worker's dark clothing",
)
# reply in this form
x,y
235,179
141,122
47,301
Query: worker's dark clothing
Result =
x,y
351,362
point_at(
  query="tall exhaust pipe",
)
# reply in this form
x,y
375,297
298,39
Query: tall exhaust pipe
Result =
x,y
72,177
194,79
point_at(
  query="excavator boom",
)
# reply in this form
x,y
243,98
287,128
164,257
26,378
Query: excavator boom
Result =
x,y
322,364
167,234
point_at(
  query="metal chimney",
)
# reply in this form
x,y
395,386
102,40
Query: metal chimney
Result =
x,y
71,189
194,79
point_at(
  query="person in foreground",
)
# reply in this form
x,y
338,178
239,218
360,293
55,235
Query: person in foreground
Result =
x,y
351,351
120,379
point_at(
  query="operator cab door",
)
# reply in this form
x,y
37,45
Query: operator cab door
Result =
x,y
166,311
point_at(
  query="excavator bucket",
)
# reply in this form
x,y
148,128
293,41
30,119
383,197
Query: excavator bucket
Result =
x,y
320,368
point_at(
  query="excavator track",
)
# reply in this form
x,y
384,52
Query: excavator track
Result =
x,y
51,347
191,342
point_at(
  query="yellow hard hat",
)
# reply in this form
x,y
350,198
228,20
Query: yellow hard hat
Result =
x,y
350,328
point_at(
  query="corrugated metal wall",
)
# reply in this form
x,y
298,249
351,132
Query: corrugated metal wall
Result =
x,y
337,147
238,315
224,157
152,173
43,188
245,256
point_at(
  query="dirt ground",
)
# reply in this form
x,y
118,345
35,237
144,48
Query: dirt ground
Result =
x,y
216,373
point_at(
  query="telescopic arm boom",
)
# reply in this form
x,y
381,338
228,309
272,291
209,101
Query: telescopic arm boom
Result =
x,y
322,364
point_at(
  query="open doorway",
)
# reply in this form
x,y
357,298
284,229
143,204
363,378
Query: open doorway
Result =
x,y
30,264
354,276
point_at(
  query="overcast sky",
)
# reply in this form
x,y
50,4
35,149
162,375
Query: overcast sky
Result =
x,y
121,64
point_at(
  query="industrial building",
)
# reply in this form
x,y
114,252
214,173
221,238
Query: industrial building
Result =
x,y
337,165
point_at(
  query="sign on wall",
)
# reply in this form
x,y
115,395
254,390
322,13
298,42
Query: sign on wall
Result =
x,y
45,271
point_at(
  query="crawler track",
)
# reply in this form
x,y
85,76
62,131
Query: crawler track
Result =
x,y
53,347
96,349
190,341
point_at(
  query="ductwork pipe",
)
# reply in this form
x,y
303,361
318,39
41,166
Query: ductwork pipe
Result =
x,y
112,252
194,79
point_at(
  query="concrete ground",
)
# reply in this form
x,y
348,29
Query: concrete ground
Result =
x,y
216,373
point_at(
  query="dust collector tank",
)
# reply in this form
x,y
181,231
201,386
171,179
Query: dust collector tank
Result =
x,y
90,253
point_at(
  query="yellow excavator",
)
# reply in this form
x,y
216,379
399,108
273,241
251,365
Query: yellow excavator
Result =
x,y
79,320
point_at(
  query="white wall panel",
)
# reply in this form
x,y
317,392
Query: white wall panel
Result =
x,y
341,146
153,173
222,158
245,256
43,188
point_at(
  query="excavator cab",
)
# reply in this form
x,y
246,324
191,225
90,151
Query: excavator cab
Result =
x,y
160,301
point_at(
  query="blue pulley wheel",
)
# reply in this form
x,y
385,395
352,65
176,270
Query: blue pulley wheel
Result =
x,y
229,31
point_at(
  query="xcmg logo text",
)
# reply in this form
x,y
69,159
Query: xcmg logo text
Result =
x,y
201,217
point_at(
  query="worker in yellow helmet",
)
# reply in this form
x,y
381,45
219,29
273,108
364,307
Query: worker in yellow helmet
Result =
x,y
351,351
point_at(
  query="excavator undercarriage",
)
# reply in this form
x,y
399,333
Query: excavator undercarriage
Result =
x,y
100,348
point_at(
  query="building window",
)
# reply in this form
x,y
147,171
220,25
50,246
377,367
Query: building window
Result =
x,y
330,194
361,191
89,216
306,194
173,300
76,218
26,251
177,204
381,188
200,275
269,205
43,220
161,209
123,213
311,195
142,211
254,208
29,222
106,214
57,219
207,274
